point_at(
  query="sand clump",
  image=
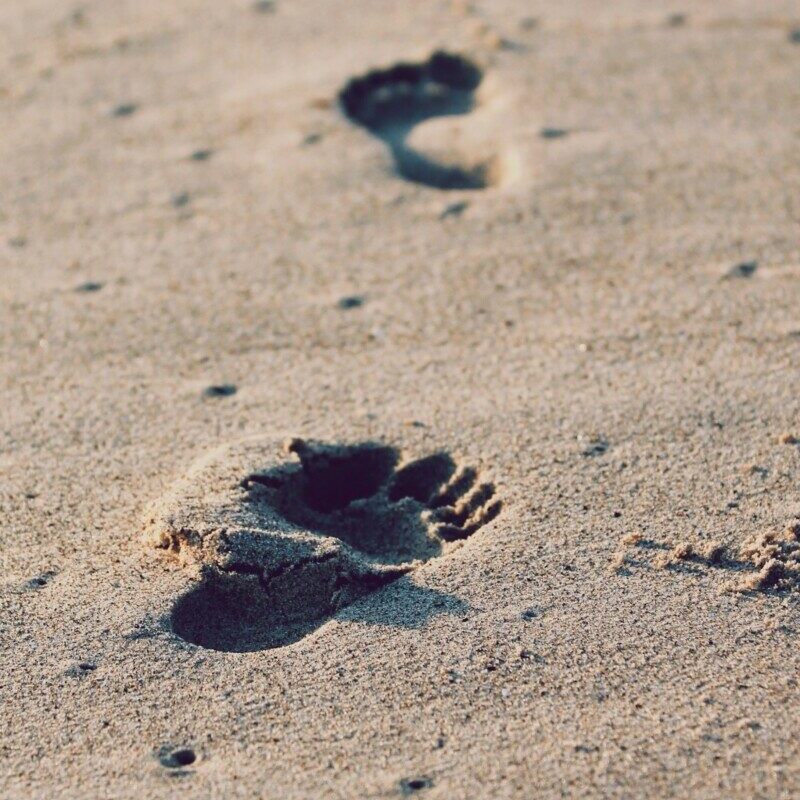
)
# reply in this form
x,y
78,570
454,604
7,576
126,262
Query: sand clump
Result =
x,y
679,552
776,556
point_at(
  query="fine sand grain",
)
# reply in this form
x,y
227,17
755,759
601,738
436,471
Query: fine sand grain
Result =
x,y
399,399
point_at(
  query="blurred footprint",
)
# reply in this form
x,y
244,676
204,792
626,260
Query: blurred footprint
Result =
x,y
391,102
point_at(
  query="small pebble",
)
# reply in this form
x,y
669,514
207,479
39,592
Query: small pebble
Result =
x,y
39,581
80,669
553,133
219,390
89,287
411,785
124,110
181,200
454,209
177,758
744,270
596,448
352,301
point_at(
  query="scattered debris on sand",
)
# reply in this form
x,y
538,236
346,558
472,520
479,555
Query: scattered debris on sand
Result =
x,y
777,558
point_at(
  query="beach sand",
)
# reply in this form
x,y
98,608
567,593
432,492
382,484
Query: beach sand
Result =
x,y
399,399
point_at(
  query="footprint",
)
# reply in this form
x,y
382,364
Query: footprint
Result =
x,y
391,102
285,536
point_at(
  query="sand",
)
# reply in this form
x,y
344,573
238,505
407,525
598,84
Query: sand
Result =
x,y
517,283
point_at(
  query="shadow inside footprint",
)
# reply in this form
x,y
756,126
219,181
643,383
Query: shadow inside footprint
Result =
x,y
391,102
234,614
325,532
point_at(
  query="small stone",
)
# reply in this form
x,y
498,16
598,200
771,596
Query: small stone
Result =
x,y
596,448
749,724
219,390
177,758
124,110
744,270
553,133
89,287
80,669
409,786
454,209
351,301
181,200
38,581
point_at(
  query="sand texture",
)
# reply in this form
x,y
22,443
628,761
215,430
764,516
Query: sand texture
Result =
x,y
399,399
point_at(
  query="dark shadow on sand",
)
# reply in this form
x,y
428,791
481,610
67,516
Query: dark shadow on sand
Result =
x,y
228,615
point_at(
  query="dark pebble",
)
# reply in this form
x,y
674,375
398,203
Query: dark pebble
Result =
x,y
410,785
124,110
744,270
81,669
89,287
220,390
177,758
353,301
